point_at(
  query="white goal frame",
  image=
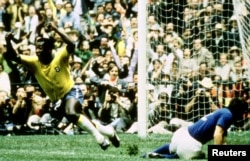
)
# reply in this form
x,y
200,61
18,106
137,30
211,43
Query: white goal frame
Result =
x,y
142,83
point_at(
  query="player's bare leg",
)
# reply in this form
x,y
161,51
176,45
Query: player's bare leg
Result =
x,y
83,122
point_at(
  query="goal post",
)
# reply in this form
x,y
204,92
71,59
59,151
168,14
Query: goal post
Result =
x,y
242,15
142,83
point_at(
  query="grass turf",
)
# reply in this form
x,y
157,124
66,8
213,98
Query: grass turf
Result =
x,y
84,148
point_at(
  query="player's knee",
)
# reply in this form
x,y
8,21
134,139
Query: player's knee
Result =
x,y
71,114
72,117
72,110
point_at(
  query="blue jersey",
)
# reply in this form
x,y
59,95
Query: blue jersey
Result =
x,y
203,129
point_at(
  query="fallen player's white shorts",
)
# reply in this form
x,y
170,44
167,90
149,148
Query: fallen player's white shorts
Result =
x,y
184,145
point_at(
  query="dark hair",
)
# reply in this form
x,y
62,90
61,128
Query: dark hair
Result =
x,y
156,60
203,62
111,65
113,89
68,2
48,42
163,95
238,107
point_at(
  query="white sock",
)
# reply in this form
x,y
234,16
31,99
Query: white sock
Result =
x,y
133,128
84,123
107,130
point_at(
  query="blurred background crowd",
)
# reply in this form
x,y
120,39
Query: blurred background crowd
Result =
x,y
195,61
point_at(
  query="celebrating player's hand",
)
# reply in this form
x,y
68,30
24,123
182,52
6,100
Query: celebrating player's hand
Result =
x,y
50,26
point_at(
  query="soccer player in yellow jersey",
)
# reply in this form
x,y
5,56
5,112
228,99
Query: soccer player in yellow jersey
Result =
x,y
52,72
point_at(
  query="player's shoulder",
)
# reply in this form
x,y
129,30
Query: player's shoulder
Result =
x,y
223,112
61,53
28,57
64,50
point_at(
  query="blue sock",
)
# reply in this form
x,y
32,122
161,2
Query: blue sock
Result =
x,y
164,150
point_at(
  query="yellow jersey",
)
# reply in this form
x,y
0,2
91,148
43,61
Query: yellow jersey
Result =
x,y
54,78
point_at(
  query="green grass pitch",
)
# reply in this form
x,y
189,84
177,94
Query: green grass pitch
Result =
x,y
84,148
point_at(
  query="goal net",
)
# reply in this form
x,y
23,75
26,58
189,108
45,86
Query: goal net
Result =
x,y
198,59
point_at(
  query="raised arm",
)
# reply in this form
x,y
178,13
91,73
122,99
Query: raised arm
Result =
x,y
190,104
116,58
41,19
65,38
11,53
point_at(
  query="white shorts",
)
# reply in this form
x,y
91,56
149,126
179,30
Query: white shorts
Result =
x,y
184,145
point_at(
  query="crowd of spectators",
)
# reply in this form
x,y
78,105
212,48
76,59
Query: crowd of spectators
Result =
x,y
195,57
195,61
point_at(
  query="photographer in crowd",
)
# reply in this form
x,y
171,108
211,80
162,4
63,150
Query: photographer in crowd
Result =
x,y
202,103
182,93
115,110
6,117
